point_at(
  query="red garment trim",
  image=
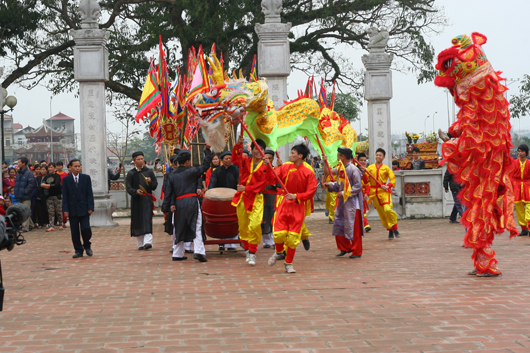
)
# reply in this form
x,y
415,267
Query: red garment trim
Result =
x,y
186,195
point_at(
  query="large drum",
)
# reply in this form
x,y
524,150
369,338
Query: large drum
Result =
x,y
220,217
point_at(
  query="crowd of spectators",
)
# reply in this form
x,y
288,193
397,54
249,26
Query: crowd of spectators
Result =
x,y
37,185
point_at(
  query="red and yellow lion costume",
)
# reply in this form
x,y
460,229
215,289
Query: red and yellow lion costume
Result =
x,y
479,156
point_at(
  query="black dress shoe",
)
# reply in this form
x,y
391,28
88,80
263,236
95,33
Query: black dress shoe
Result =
x,y
180,258
141,248
523,233
200,257
77,255
188,251
355,256
306,243
396,233
148,246
367,229
451,221
231,249
171,251
266,246
390,234
342,253
221,248
89,252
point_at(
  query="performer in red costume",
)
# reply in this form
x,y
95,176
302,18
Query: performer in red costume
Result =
x,y
521,188
288,222
479,156
248,200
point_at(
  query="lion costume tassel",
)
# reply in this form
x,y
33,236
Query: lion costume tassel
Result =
x,y
479,155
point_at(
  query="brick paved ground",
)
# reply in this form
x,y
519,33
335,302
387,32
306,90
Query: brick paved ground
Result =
x,y
407,295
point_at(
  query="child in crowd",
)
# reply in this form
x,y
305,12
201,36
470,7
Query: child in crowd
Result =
x,y
11,195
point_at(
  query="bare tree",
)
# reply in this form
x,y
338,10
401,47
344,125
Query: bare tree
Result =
x,y
117,143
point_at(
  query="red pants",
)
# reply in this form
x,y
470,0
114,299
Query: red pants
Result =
x,y
365,207
354,246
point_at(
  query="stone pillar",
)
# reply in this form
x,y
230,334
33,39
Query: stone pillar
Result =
x,y
91,70
378,92
274,56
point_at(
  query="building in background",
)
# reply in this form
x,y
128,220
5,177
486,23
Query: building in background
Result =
x,y
53,141
8,139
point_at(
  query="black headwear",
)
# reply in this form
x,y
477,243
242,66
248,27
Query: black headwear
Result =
x,y
225,153
173,159
136,154
183,156
346,152
269,152
247,152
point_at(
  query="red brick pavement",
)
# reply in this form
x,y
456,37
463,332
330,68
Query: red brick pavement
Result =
x,y
406,295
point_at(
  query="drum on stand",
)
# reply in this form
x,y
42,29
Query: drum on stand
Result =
x,y
219,216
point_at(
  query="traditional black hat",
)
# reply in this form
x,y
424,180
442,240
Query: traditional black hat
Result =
x,y
136,154
247,152
183,156
269,151
173,159
225,153
347,152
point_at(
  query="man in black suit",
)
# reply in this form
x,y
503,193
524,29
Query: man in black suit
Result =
x,y
78,205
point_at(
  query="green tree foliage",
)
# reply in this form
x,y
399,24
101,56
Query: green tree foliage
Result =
x,y
321,31
347,105
17,17
520,103
144,143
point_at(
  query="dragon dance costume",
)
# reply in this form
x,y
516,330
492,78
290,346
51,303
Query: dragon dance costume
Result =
x,y
366,206
288,222
479,156
382,199
249,203
521,190
348,226
331,200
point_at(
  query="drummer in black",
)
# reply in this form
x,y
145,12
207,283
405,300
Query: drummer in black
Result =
x,y
225,176
182,194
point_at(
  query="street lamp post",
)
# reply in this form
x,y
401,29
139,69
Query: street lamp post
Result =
x,y
51,131
433,121
11,102
425,125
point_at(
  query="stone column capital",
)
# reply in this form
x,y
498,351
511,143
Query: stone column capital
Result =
x,y
273,31
90,36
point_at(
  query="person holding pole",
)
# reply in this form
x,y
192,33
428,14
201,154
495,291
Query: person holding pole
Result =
x,y
348,227
292,206
380,193
248,200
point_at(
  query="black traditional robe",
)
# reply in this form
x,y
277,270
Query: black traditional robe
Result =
x,y
183,181
141,206
224,177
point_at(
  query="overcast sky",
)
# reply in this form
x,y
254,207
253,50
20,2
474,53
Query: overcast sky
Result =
x,y
505,23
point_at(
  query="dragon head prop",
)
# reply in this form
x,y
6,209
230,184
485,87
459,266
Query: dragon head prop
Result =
x,y
461,60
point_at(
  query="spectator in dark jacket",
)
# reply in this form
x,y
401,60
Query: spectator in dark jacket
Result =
x,y
114,176
52,183
25,185
449,182
42,194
